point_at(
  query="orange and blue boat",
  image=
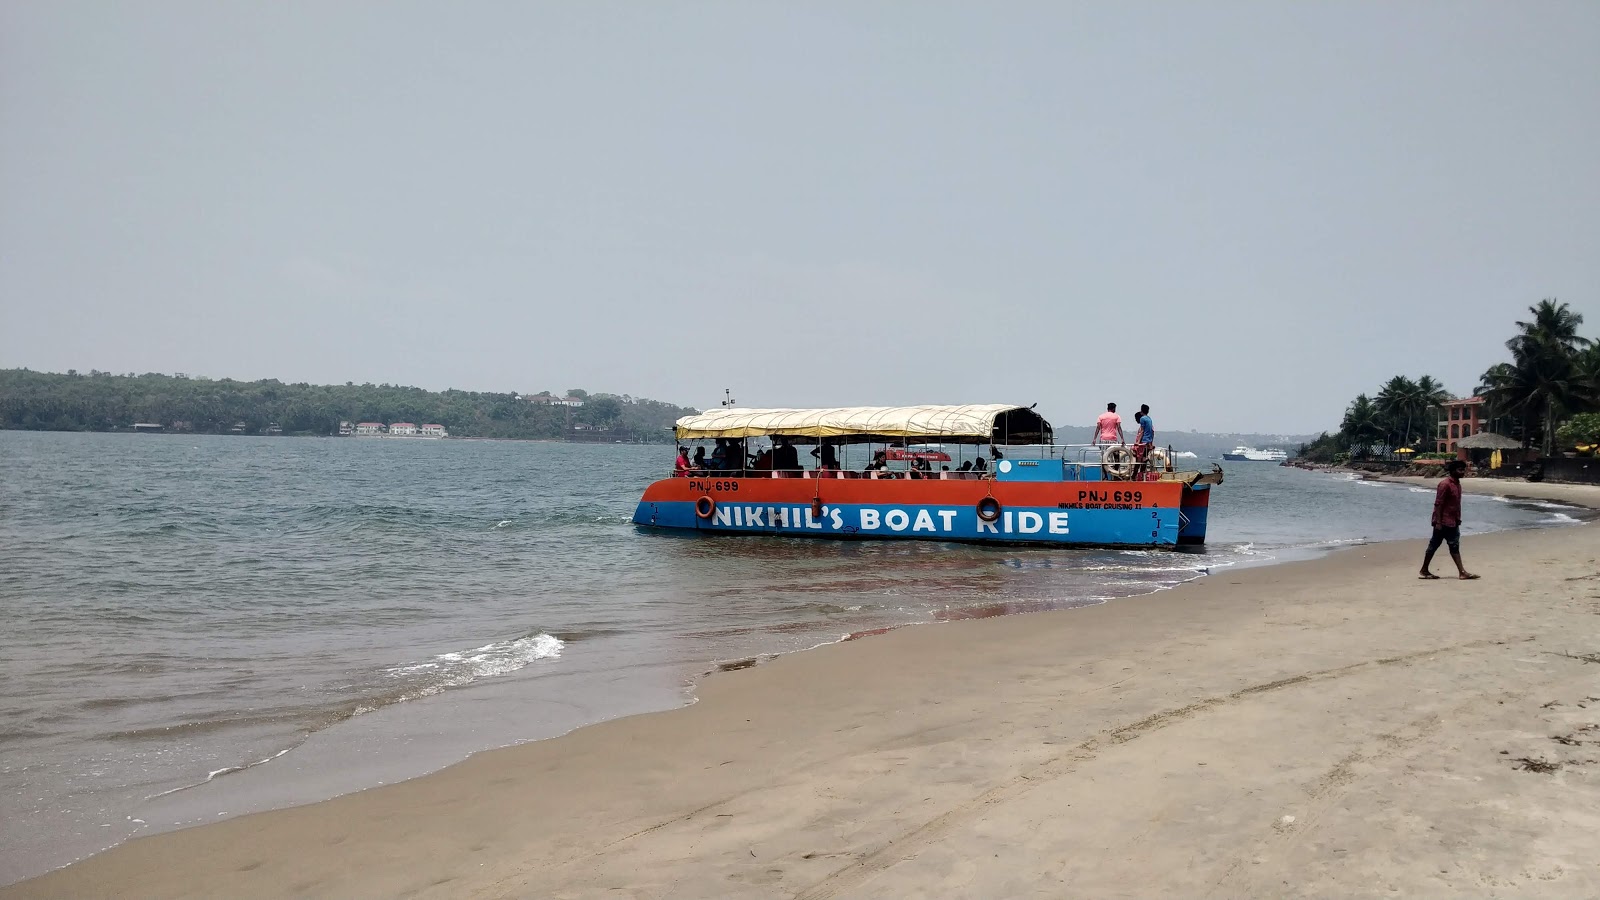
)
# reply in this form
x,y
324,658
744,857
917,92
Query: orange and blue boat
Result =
x,y
1033,492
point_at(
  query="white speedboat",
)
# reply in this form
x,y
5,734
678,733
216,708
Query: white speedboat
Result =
x,y
1251,454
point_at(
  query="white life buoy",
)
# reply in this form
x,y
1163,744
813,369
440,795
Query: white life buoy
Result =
x,y
1116,461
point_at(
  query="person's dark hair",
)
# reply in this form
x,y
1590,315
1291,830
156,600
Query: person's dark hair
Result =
x,y
1111,407
1455,465
1144,408
683,451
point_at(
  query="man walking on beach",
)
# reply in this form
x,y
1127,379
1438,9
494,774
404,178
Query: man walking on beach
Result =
x,y
1447,521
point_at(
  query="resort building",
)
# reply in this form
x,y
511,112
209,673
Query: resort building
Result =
x,y
369,428
346,429
433,431
1458,419
545,398
402,428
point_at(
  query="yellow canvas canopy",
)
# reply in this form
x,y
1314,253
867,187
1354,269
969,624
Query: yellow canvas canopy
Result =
x,y
997,423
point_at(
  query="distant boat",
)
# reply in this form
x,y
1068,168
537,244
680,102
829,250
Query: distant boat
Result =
x,y
1251,454
1185,454
906,454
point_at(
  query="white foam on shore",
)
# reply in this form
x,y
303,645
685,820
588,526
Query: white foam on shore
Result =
x,y
466,666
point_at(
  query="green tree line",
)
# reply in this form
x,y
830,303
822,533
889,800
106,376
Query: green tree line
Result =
x,y
101,401
1547,396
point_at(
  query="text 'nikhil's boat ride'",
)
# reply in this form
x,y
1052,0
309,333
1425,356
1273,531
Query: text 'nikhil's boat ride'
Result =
x,y
1034,491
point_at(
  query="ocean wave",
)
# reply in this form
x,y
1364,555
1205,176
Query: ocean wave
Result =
x,y
457,669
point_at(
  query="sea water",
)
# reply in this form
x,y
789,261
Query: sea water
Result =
x,y
199,627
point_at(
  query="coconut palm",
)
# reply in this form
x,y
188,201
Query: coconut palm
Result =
x,y
1431,397
1362,426
1546,382
1395,402
1587,366
1553,329
1535,387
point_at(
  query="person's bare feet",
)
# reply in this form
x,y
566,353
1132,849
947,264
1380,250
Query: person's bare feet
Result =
x,y
1425,575
1468,576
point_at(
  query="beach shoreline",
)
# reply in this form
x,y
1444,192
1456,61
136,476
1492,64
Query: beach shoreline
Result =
x,y
1184,725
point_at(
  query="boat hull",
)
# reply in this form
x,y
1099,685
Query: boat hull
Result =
x,y
1081,513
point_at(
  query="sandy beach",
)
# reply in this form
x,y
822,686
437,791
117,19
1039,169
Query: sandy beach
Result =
x,y
1327,728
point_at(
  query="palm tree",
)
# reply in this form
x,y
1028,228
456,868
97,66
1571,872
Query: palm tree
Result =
x,y
1544,379
1362,426
1534,387
1554,329
1587,366
1401,402
1431,397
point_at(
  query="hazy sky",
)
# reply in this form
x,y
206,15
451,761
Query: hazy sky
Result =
x,y
1240,213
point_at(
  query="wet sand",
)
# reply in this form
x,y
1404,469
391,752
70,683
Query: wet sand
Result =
x,y
1328,728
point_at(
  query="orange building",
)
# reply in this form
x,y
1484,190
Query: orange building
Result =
x,y
1458,419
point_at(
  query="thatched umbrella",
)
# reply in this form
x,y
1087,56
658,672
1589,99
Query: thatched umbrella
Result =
x,y
1483,440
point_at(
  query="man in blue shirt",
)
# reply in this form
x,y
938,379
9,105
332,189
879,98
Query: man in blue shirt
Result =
x,y
1147,440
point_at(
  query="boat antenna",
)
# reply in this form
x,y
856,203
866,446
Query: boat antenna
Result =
x,y
727,398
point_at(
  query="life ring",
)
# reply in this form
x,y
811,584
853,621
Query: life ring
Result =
x,y
705,507
1157,461
989,509
1117,461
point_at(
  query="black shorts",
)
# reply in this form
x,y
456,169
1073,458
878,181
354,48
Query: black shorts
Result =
x,y
1450,535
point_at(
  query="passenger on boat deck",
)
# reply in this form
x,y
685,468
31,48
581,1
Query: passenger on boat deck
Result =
x,y
719,456
1108,428
880,462
699,461
979,465
1146,440
784,456
681,467
764,460
827,456
965,467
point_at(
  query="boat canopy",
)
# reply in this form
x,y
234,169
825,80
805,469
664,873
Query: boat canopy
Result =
x,y
996,423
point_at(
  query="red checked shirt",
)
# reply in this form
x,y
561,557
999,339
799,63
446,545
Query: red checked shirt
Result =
x,y
1447,504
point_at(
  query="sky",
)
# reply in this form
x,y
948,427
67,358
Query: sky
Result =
x,y
1242,214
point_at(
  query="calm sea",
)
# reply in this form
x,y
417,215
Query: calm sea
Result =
x,y
198,627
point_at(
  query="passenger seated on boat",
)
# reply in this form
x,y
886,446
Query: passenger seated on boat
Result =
x,y
880,462
785,458
699,463
827,456
979,465
681,467
965,467
763,462
719,456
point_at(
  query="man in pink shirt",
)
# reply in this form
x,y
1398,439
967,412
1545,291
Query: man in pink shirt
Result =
x,y
1108,428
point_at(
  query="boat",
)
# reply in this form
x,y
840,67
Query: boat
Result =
x,y
1251,454
1034,492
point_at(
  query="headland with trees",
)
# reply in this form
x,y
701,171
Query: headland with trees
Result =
x,y
101,401
1546,397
